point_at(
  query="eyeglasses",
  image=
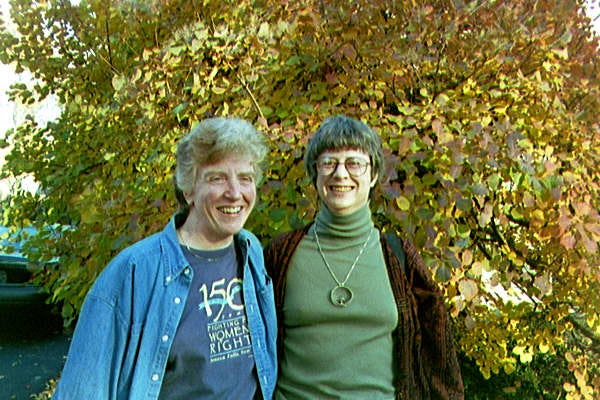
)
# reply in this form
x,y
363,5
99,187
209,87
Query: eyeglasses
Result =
x,y
355,166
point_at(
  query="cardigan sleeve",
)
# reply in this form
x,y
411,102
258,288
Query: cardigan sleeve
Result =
x,y
277,256
438,355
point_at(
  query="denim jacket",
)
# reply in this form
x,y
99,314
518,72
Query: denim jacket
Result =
x,y
128,321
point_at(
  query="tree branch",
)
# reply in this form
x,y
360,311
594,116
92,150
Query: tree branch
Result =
x,y
243,82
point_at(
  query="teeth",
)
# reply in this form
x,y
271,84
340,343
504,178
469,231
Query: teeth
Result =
x,y
230,210
341,188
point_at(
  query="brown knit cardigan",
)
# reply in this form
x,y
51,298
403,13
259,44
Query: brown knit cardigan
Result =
x,y
427,366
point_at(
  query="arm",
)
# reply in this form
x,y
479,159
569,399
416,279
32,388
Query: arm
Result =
x,y
277,255
438,354
93,363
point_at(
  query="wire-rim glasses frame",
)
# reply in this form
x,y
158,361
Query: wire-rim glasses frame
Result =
x,y
354,165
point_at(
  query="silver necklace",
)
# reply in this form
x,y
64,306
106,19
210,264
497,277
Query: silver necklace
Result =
x,y
194,253
341,295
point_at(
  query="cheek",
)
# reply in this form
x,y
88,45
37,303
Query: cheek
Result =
x,y
250,194
321,187
320,182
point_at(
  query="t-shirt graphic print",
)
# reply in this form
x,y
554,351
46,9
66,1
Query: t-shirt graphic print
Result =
x,y
228,331
211,356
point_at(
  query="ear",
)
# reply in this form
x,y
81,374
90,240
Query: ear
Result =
x,y
189,198
374,181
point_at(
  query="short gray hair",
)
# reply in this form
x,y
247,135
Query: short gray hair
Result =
x,y
211,140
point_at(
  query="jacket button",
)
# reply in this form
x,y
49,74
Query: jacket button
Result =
x,y
154,377
165,338
177,300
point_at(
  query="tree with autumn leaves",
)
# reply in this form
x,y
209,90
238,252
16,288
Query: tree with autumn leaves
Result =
x,y
488,111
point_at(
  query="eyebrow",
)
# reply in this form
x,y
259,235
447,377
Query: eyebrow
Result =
x,y
218,171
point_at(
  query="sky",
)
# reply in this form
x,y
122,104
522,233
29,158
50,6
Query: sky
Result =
x,y
12,115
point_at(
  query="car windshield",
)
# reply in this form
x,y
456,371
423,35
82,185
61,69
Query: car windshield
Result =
x,y
12,242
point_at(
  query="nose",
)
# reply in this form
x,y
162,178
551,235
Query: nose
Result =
x,y
233,189
340,169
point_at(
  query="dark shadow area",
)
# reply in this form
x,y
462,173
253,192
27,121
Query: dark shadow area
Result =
x,y
33,349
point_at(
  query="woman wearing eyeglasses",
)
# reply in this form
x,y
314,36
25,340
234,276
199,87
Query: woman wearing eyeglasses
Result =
x,y
358,318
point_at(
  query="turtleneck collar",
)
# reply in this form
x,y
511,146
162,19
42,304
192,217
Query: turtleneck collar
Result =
x,y
352,226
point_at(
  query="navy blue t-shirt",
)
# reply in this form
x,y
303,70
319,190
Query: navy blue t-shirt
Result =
x,y
211,356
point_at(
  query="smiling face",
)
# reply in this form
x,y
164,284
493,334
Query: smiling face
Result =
x,y
340,191
220,203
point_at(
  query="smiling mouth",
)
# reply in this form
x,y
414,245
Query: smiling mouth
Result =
x,y
230,210
342,189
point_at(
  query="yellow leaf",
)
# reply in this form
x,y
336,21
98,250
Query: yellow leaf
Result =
x,y
468,288
543,284
467,257
569,387
524,353
458,306
591,319
476,269
537,219
510,365
518,350
514,257
580,375
402,203
263,30
485,371
486,215
118,81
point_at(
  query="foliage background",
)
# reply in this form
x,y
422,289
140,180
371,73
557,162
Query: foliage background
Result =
x,y
488,111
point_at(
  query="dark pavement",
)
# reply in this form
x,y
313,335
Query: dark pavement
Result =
x,y
32,351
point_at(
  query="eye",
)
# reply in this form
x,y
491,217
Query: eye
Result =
x,y
216,179
247,179
328,163
354,163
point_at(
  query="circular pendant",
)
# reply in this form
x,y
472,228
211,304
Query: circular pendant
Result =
x,y
340,296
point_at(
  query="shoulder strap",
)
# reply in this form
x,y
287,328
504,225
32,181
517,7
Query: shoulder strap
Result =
x,y
396,244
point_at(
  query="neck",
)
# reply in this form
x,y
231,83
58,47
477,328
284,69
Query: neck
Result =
x,y
197,240
352,226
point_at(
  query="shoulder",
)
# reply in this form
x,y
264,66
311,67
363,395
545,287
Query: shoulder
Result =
x,y
248,243
418,273
142,255
142,251
290,238
279,251
402,247
248,237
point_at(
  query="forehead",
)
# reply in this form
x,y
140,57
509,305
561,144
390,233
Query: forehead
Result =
x,y
228,165
344,153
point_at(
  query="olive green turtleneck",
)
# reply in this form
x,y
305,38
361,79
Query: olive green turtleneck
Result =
x,y
333,352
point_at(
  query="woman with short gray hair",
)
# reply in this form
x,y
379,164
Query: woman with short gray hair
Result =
x,y
187,313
